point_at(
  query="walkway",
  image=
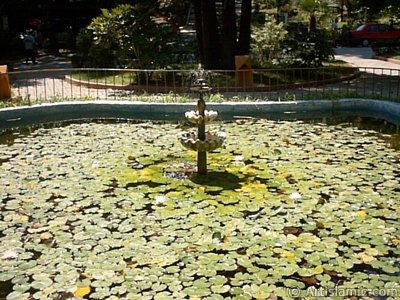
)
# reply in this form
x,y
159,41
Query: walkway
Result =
x,y
378,78
45,61
361,57
45,80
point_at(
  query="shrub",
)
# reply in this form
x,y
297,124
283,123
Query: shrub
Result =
x,y
267,42
306,49
50,45
125,36
92,54
274,45
383,47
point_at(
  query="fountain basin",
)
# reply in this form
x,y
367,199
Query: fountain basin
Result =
x,y
53,112
282,203
190,141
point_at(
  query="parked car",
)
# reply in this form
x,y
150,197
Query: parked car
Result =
x,y
366,34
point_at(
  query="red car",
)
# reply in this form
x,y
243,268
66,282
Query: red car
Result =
x,y
366,34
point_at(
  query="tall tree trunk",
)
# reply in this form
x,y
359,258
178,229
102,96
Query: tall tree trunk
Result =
x,y
228,35
243,46
342,10
211,45
312,25
349,9
2,5
199,28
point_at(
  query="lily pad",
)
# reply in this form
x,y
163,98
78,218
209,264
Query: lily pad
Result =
x,y
109,211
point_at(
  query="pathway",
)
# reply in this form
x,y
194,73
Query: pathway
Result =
x,y
45,62
45,80
361,57
378,78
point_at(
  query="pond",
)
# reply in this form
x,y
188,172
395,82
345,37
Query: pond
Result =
x,y
114,210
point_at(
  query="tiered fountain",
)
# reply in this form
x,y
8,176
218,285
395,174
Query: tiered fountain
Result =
x,y
201,140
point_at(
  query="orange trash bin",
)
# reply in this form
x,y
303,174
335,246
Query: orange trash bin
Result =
x,y
5,90
244,72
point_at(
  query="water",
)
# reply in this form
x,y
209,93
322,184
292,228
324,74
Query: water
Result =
x,y
115,209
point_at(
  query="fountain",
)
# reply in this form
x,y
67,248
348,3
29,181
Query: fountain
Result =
x,y
201,141
87,212
104,210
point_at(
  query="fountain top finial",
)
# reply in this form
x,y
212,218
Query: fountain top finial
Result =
x,y
200,80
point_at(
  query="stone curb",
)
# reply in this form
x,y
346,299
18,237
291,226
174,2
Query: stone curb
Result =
x,y
36,114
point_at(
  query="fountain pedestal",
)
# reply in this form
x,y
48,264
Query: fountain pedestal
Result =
x,y
201,133
201,141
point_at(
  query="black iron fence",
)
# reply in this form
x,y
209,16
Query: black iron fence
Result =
x,y
56,85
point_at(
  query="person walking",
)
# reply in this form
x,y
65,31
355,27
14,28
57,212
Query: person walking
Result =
x,y
29,44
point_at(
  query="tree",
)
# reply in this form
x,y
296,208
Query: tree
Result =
x,y
228,34
373,7
199,28
315,10
210,33
245,28
131,33
219,42
349,7
175,10
310,6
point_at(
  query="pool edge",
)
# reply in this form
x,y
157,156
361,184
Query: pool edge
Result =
x,y
52,112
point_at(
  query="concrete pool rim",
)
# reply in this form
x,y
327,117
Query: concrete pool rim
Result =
x,y
61,111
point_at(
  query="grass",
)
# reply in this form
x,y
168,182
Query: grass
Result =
x,y
214,98
105,77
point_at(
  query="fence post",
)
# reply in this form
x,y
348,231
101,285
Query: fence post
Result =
x,y
5,90
244,72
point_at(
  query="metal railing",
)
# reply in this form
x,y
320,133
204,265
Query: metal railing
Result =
x,y
55,85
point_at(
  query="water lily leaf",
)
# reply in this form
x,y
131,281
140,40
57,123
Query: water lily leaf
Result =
x,y
118,209
220,289
41,282
157,287
318,269
196,292
290,283
18,296
218,280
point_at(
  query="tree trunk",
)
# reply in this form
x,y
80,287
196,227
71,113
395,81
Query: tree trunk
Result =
x,y
199,28
211,45
312,26
228,35
243,47
342,10
349,9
